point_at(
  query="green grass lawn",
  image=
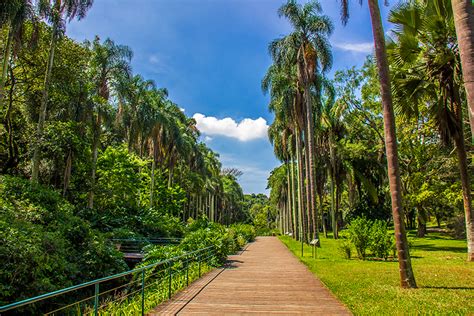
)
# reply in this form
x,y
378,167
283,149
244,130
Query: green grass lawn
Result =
x,y
445,280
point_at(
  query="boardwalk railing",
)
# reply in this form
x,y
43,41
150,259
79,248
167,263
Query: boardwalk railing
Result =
x,y
132,292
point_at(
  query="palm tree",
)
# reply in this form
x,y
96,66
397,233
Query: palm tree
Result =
x,y
426,64
109,62
334,128
57,12
281,80
312,54
464,21
14,15
407,278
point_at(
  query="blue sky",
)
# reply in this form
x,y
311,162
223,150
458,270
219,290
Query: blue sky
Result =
x,y
211,56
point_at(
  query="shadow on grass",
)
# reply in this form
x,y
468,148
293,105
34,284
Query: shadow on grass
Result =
x,y
428,247
448,287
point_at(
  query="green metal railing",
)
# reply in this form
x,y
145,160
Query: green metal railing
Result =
x,y
134,291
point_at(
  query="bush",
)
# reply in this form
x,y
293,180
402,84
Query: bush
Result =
x,y
346,248
359,234
43,246
380,240
245,231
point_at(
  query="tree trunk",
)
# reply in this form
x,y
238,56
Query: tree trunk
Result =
x,y
293,193
464,21
170,176
43,108
466,193
323,221
338,203
311,148
12,160
407,278
6,61
421,220
333,213
309,210
288,198
301,229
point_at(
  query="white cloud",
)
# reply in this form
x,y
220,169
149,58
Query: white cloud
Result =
x,y
356,47
245,130
207,139
153,59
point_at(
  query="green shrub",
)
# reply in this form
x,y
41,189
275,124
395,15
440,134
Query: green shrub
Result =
x,y
345,247
380,240
246,231
359,234
43,246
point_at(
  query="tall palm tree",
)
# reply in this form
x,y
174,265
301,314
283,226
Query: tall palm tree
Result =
x,y
57,12
407,278
312,54
109,63
464,21
281,80
426,69
14,15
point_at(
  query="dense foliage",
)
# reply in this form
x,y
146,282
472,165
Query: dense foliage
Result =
x,y
44,245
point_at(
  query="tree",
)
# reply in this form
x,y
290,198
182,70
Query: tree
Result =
x,y
407,278
109,63
464,21
14,16
426,64
57,13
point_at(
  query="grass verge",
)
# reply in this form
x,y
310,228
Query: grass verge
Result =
x,y
444,278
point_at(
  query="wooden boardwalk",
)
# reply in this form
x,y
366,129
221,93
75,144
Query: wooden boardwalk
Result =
x,y
264,279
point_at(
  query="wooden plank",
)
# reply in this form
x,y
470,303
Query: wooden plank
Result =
x,y
264,279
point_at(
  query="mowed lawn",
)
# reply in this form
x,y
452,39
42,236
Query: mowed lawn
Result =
x,y
445,280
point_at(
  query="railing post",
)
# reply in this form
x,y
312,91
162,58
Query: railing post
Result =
x,y
199,265
96,299
143,292
170,277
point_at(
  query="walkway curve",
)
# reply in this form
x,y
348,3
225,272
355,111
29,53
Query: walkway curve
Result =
x,y
264,279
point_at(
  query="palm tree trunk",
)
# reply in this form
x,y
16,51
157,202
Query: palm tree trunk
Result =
x,y
464,21
407,278
309,210
6,61
333,209
312,151
288,194
43,108
323,222
294,228
300,187
338,202
466,191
